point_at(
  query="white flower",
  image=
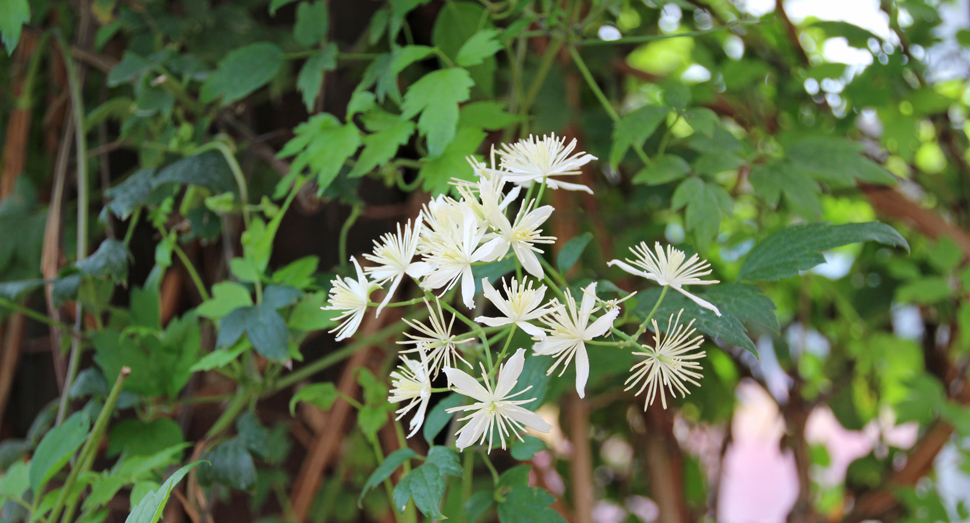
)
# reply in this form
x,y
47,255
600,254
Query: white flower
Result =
x,y
520,236
494,408
535,159
669,269
451,256
521,307
393,258
668,363
569,332
411,382
351,297
441,344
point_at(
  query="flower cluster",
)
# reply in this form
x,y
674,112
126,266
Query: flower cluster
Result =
x,y
487,222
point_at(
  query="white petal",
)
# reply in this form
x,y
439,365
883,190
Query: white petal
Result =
x,y
602,324
509,374
491,250
418,269
531,329
466,384
468,287
527,257
418,418
703,303
471,432
493,322
582,369
526,417
630,269
390,293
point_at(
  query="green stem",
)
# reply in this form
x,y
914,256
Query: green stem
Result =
x,y
474,326
355,212
31,313
552,270
666,138
236,406
466,483
491,468
607,106
90,448
189,266
643,325
387,481
237,174
501,355
132,224
444,57
399,303
81,151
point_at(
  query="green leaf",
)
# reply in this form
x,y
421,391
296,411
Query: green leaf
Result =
x,y
436,173
310,79
361,102
323,145
15,290
454,27
924,398
477,505
727,327
488,115
925,291
15,480
837,161
372,419
143,438
312,23
701,120
407,55
676,94
445,459
232,465
279,296
799,248
706,203
436,96
320,395
526,449
437,419
634,128
57,447
716,162
150,508
956,415
111,259
208,169
381,147
276,4
745,302
308,315
13,15
298,274
664,169
243,71
244,270
129,194
425,484
257,438
384,471
227,296
267,331
570,253
528,505
219,358
800,190
480,46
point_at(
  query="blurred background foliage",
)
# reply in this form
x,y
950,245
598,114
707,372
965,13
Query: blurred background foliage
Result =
x,y
150,153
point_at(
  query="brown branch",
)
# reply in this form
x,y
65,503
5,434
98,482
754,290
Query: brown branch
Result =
x,y
890,202
582,462
792,32
664,463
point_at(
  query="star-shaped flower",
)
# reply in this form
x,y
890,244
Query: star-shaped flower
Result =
x,y
411,382
670,268
351,297
524,304
452,253
668,363
494,409
393,258
570,329
537,159
436,339
521,236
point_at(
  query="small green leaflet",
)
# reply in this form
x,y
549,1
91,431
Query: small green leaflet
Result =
x,y
634,129
15,480
487,115
436,173
701,120
129,68
436,96
407,55
837,161
149,509
480,46
232,465
111,259
570,253
219,358
13,15
799,248
207,169
381,147
664,169
276,4
800,190
706,203
312,23
426,484
129,194
526,448
311,74
320,395
57,447
528,505
323,144
266,329
243,71
384,471
227,296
